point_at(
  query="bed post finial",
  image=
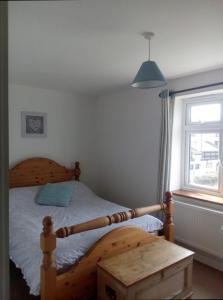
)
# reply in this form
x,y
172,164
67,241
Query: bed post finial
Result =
x,y
77,171
48,269
169,225
47,225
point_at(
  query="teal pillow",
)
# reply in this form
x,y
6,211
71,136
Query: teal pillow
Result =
x,y
55,195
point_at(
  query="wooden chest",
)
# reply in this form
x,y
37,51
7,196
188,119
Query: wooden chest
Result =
x,y
159,270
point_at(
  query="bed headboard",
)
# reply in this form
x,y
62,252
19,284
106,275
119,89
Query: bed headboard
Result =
x,y
39,170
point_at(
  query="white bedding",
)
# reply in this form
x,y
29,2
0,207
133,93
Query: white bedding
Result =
x,y
26,225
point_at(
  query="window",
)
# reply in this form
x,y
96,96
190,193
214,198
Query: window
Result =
x,y
203,144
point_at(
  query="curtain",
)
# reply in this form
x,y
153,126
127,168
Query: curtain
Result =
x,y
165,144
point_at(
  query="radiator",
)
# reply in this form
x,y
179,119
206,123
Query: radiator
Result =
x,y
199,227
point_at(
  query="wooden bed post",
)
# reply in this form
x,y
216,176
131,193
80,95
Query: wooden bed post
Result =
x,y
169,225
77,171
48,269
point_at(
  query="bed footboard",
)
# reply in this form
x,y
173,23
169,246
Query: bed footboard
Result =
x,y
80,281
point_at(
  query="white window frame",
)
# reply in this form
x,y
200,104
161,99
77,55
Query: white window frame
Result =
x,y
187,128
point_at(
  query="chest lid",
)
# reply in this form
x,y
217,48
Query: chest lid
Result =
x,y
142,262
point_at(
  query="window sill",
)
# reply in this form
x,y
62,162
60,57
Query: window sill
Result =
x,y
199,196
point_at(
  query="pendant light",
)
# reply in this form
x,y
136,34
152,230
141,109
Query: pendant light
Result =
x,y
149,74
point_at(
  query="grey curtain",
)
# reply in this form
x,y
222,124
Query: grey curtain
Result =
x,y
165,144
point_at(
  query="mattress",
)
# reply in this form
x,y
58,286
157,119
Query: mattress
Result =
x,y
26,225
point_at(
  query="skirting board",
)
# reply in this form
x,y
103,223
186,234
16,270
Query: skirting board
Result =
x,y
203,257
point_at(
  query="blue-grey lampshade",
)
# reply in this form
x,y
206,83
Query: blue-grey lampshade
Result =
x,y
149,76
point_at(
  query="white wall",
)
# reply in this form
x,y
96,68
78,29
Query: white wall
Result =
x,y
196,80
70,128
129,134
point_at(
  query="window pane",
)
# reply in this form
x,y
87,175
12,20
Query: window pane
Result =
x,y
204,159
205,113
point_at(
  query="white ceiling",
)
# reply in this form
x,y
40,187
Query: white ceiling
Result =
x,y
94,46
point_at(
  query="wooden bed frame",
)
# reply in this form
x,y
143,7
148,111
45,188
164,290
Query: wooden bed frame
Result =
x,y
79,282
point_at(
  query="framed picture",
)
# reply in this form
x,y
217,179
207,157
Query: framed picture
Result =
x,y
33,124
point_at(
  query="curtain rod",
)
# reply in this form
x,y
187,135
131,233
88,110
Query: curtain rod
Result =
x,y
194,88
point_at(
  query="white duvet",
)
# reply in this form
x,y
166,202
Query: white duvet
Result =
x,y
26,225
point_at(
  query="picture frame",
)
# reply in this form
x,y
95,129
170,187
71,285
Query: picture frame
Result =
x,y
34,124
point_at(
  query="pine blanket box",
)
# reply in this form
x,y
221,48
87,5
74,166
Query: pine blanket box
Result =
x,y
159,270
